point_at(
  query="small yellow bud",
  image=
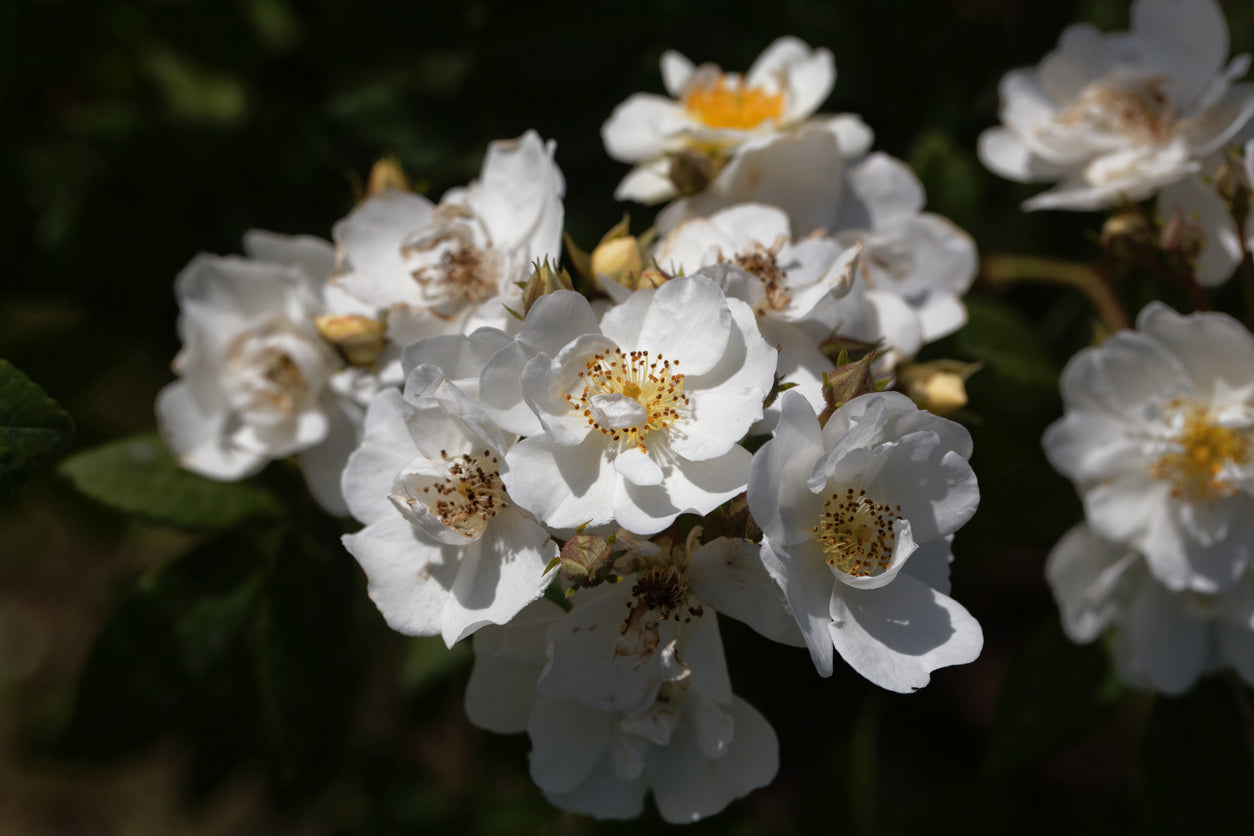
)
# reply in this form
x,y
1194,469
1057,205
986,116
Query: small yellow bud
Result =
x,y
386,174
619,259
939,386
359,340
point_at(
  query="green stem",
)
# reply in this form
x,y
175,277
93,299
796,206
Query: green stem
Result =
x,y
1005,269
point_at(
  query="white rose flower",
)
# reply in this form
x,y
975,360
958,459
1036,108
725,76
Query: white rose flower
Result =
x,y
1116,117
1223,245
445,549
749,252
1158,436
712,111
858,517
1164,639
914,264
253,370
451,268
629,691
641,419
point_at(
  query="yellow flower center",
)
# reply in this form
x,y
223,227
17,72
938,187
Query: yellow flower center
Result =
x,y
1196,470
727,103
470,495
857,533
653,388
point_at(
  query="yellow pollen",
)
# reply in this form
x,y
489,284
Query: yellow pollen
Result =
x,y
655,384
856,533
1195,471
470,495
727,103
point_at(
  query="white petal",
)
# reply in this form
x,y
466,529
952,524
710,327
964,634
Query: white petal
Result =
x,y
386,448
641,127
409,577
781,504
508,660
567,740
802,572
687,786
636,467
896,635
728,575
498,575
324,464
676,70
1159,645
563,486
1089,577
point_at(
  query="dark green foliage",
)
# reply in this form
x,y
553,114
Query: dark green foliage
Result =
x,y
34,429
138,476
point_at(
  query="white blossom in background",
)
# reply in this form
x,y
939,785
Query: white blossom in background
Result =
x,y
452,267
858,517
445,549
713,112
254,370
1196,200
642,418
629,693
915,265
1164,639
1158,435
1115,117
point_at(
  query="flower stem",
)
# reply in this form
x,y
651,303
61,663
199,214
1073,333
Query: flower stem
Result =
x,y
1004,269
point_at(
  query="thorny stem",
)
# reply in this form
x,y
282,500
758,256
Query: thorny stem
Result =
x,y
1004,269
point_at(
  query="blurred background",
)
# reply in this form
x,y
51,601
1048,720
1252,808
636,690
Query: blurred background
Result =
x,y
233,677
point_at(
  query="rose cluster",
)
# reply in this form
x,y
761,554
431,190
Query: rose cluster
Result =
x,y
561,467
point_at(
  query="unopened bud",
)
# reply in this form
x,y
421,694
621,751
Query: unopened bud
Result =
x,y
359,340
1128,235
1182,242
939,386
839,349
846,382
619,259
545,279
386,174
587,560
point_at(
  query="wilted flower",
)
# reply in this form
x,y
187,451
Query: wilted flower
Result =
x,y
1116,117
629,692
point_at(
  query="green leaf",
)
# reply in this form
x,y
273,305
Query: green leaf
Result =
x,y
1197,763
138,476
1055,694
166,640
34,429
1007,342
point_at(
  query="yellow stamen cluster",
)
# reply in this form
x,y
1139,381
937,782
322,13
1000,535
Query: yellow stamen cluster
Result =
x,y
857,533
654,384
470,495
727,103
1195,471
